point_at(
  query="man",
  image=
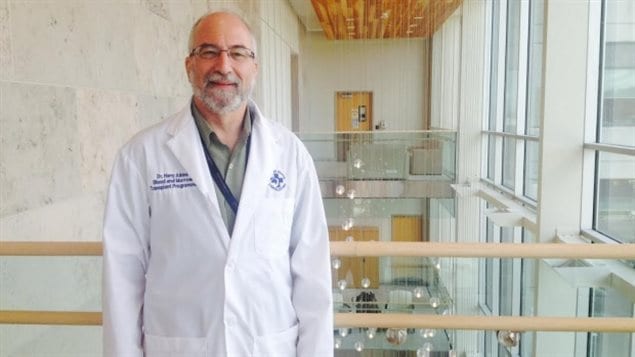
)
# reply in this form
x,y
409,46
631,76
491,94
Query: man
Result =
x,y
215,239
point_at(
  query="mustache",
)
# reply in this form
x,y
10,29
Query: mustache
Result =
x,y
219,77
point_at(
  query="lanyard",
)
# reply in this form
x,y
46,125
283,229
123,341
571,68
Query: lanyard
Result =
x,y
218,177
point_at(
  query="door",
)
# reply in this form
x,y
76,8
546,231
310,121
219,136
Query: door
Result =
x,y
354,269
353,111
407,229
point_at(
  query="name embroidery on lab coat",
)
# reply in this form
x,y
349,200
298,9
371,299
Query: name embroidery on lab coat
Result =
x,y
164,181
277,180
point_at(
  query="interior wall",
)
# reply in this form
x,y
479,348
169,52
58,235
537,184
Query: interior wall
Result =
x,y
77,80
446,69
392,69
278,40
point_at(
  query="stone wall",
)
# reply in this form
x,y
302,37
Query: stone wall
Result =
x,y
77,79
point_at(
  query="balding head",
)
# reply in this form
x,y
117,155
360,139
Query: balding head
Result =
x,y
224,17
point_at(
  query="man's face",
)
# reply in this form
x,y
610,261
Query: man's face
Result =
x,y
222,84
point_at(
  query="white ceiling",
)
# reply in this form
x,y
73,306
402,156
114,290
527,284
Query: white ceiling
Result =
x,y
305,12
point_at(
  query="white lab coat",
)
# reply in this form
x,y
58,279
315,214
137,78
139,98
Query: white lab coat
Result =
x,y
176,284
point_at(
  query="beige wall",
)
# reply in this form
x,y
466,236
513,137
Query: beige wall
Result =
x,y
78,79
392,69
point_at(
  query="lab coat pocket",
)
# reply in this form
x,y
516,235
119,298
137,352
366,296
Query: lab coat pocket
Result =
x,y
174,346
273,227
280,344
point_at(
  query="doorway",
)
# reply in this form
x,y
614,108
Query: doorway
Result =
x,y
354,269
407,228
353,113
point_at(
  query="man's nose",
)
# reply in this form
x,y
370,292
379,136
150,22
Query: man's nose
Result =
x,y
223,63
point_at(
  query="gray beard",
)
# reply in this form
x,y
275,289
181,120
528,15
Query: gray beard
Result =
x,y
224,105
225,102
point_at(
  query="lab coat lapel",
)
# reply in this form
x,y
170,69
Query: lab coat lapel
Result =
x,y
259,168
186,146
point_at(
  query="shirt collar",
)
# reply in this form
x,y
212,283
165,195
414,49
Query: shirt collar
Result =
x,y
206,130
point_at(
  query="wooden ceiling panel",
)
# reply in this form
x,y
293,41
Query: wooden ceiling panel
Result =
x,y
380,19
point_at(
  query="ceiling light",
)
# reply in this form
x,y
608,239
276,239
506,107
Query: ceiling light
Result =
x,y
385,15
418,17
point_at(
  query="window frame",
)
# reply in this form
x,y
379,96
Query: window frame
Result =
x,y
495,138
593,121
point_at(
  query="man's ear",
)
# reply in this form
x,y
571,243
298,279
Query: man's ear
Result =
x,y
188,65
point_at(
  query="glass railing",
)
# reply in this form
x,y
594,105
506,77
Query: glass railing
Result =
x,y
384,164
39,290
431,304
402,284
455,305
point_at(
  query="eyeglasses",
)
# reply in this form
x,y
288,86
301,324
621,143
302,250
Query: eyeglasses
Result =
x,y
211,52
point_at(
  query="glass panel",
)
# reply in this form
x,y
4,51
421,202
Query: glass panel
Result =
x,y
436,298
528,295
531,170
491,157
389,157
68,283
607,302
509,162
534,77
50,284
506,297
490,343
489,270
50,341
617,121
493,87
615,201
511,66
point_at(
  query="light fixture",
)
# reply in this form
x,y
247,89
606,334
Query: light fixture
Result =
x,y
508,338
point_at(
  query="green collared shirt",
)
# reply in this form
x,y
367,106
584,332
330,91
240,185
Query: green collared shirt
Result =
x,y
231,164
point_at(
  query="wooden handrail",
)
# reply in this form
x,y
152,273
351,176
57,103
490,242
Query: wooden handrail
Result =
x,y
374,249
453,322
75,318
50,249
512,323
484,250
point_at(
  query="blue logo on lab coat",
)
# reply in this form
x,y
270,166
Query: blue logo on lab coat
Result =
x,y
277,180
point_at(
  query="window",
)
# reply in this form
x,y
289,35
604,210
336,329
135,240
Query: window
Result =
x,y
535,89
606,302
614,146
515,98
615,198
